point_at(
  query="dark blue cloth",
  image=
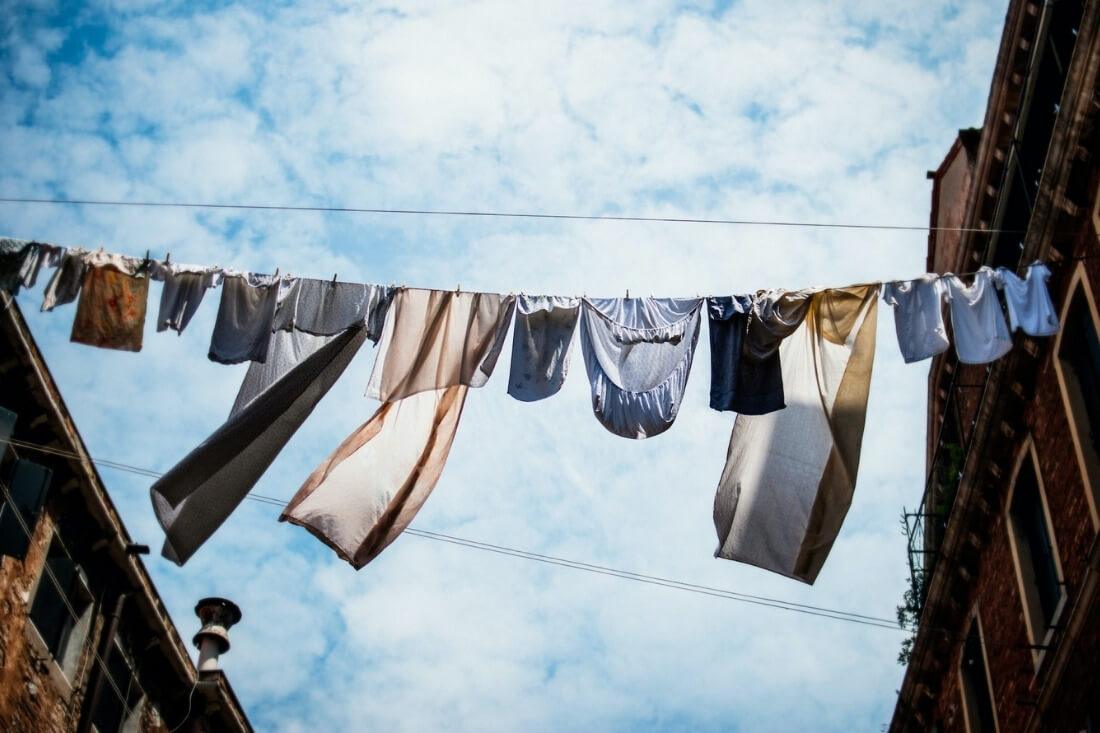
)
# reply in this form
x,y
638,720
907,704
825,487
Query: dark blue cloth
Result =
x,y
738,381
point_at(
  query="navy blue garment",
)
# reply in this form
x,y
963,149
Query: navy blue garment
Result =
x,y
728,320
746,376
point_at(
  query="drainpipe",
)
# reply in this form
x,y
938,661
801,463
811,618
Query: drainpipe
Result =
x,y
95,681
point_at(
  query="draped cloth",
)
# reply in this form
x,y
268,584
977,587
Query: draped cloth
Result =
x,y
200,492
540,345
638,353
790,475
436,344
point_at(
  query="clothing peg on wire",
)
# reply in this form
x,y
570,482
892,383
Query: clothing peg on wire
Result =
x,y
334,279
628,293
168,259
458,288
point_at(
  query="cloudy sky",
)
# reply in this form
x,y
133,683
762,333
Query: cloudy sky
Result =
x,y
804,111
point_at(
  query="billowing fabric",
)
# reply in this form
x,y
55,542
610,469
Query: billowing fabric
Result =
x,y
64,285
21,261
541,341
369,490
745,333
638,352
918,316
1028,300
323,308
789,475
183,290
435,345
246,315
200,492
439,338
977,322
111,310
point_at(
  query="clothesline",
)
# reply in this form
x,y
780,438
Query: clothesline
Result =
x,y
794,366
507,215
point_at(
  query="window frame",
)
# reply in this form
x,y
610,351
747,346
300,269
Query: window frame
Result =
x,y
1089,477
975,619
67,668
1023,581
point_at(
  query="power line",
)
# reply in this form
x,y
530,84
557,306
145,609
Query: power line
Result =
x,y
820,611
504,215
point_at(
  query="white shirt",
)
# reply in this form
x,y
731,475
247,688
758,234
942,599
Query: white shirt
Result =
x,y
918,316
1028,300
981,334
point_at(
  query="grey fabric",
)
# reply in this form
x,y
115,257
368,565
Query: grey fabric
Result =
x,y
182,292
64,285
20,262
638,354
200,492
323,308
541,341
246,314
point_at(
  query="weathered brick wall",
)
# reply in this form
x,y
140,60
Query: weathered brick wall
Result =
x,y
995,588
30,699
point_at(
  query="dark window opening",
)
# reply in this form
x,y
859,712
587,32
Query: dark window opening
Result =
x,y
977,697
61,602
1035,549
1079,354
121,694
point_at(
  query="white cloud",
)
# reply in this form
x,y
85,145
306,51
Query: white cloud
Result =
x,y
775,111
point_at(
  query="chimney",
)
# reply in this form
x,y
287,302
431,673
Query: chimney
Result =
x,y
217,616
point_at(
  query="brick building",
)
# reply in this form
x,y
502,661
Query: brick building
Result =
x,y
1003,548
85,641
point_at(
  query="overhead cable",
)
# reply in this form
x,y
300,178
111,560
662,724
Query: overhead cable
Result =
x,y
503,215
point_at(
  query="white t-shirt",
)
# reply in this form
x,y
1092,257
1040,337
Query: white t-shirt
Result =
x,y
981,334
918,316
1028,300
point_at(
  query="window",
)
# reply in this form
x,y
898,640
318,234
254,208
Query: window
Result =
x,y
119,706
1035,553
27,484
62,608
974,680
1078,368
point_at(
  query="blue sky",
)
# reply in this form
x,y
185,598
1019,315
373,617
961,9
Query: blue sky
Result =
x,y
751,109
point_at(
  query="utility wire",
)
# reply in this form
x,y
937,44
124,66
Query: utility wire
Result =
x,y
820,611
504,215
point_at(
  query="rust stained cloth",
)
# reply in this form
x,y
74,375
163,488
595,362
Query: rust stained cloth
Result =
x,y
111,311
435,346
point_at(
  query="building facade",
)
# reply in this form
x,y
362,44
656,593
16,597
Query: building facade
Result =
x,y
1003,543
86,643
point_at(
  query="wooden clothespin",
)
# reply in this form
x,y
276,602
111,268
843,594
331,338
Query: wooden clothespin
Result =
x,y
334,279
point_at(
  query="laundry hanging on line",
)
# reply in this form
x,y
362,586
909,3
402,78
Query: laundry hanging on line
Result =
x,y
794,365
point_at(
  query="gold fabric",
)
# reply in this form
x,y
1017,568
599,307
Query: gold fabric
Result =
x,y
790,475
